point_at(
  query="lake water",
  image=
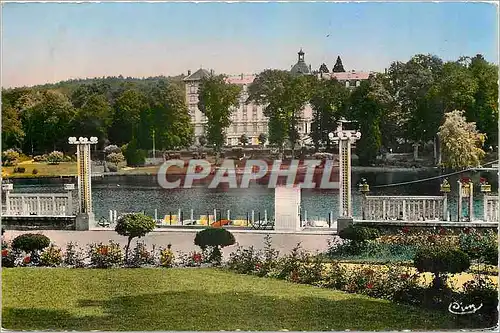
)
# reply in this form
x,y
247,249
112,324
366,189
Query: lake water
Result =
x,y
141,193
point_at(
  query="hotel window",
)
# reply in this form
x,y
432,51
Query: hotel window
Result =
x,y
358,83
192,89
245,128
192,99
235,128
255,128
347,84
254,112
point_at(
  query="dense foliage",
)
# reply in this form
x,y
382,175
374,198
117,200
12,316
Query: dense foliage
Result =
x,y
214,239
394,110
30,242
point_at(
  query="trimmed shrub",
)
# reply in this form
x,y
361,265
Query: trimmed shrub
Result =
x,y
10,157
40,158
215,238
439,260
112,149
134,155
132,226
30,242
357,233
34,172
115,158
19,169
55,157
112,167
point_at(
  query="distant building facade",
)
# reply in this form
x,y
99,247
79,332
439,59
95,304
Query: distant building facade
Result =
x,y
249,118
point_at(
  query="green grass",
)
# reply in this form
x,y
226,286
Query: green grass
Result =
x,y
191,299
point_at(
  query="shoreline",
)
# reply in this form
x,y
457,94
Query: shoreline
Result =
x,y
139,172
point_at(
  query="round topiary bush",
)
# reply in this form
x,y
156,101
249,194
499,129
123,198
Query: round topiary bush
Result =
x,y
215,238
134,225
30,243
439,260
55,157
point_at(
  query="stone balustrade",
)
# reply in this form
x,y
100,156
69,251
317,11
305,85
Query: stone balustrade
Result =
x,y
404,208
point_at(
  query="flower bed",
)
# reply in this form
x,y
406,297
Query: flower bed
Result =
x,y
396,283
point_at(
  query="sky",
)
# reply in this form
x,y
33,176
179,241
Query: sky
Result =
x,y
51,42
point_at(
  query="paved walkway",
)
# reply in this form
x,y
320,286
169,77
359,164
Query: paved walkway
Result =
x,y
183,240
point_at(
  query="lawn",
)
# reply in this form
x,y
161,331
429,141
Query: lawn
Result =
x,y
191,299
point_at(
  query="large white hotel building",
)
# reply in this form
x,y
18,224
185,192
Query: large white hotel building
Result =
x,y
249,118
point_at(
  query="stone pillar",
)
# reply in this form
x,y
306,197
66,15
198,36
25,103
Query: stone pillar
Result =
x,y
7,188
415,151
459,205
85,216
287,209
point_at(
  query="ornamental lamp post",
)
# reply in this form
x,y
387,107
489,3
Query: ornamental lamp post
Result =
x,y
345,139
85,216
445,188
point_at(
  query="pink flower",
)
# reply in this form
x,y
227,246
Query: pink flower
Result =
x,y
369,285
5,253
27,260
405,230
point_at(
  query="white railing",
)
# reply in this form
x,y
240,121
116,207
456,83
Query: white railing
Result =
x,y
491,210
41,204
416,208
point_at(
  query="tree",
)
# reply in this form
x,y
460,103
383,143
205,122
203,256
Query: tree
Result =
x,y
244,140
168,116
12,127
484,111
461,142
127,110
328,101
215,238
132,226
94,117
413,86
284,97
216,101
367,104
338,66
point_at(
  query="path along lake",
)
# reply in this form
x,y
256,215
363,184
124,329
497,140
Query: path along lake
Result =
x,y
133,193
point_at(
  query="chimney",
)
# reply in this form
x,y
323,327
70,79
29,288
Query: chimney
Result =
x,y
242,76
310,68
189,72
211,72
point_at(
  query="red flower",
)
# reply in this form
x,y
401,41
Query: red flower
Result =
x,y
442,231
197,257
467,230
405,230
404,276
257,266
369,285
483,180
27,260
103,250
465,180
5,253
